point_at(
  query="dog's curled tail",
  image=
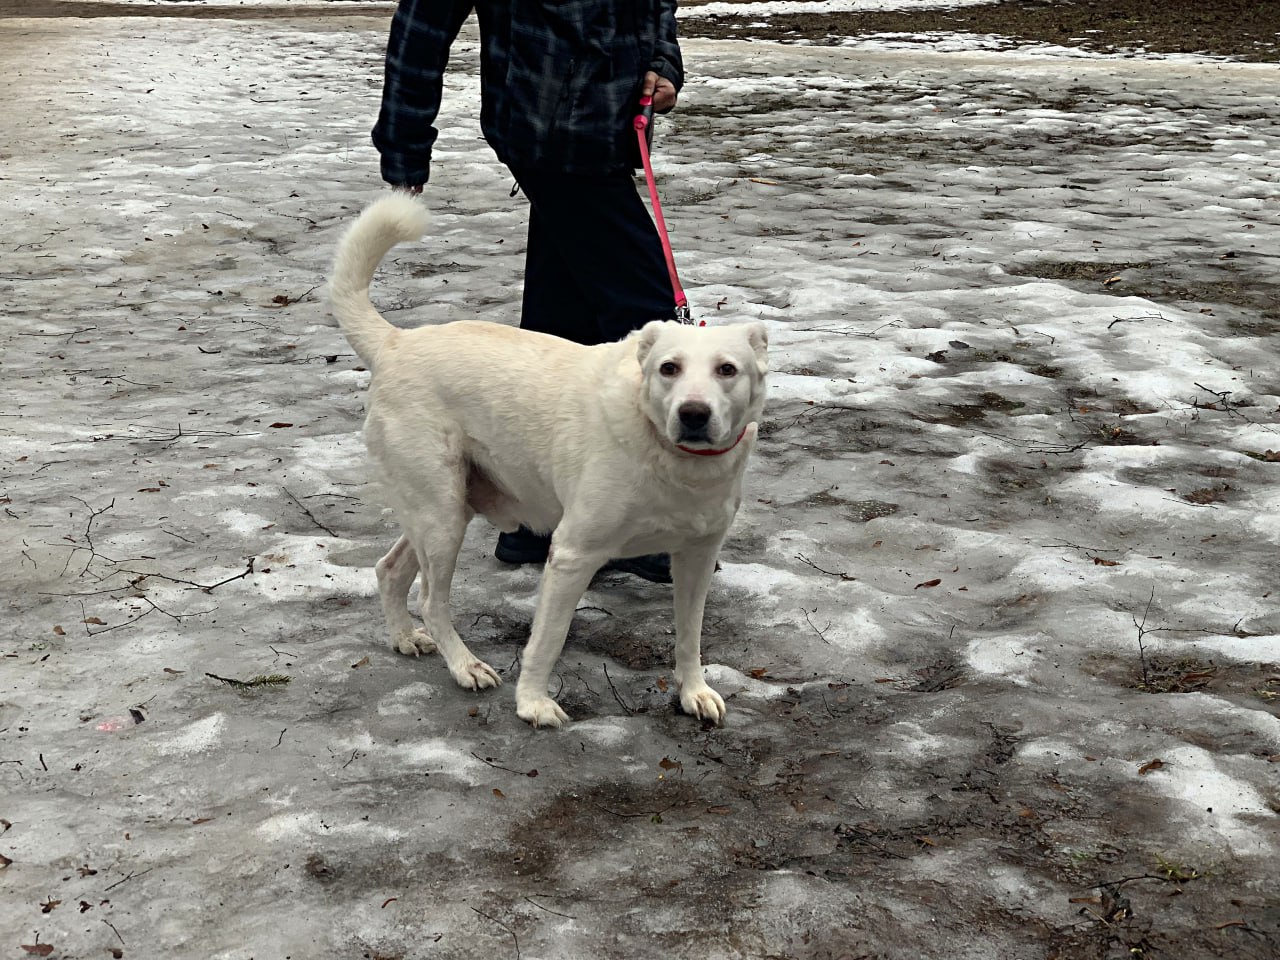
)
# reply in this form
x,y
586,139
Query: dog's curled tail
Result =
x,y
386,222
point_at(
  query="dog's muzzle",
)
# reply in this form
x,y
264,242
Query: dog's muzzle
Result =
x,y
694,420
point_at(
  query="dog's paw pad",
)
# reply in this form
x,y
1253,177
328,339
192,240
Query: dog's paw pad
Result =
x,y
476,675
412,644
703,703
541,712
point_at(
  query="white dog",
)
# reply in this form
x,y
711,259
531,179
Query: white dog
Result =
x,y
621,449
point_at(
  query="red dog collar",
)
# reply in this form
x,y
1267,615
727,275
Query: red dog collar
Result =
x,y
713,453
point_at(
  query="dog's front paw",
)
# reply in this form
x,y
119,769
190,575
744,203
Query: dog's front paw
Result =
x,y
541,712
475,675
414,643
702,702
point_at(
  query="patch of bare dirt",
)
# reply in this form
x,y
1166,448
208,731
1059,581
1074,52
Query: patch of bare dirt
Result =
x,y
1233,280
1240,29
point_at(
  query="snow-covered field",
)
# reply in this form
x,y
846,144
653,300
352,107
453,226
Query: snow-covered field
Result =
x,y
998,622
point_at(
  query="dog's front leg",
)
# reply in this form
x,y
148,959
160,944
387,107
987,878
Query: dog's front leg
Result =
x,y
564,580
691,570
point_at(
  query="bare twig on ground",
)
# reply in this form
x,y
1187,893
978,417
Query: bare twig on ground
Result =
x,y
327,358
830,573
207,588
69,336
1141,319
567,916
284,300
114,930
490,762
310,516
261,680
88,536
1088,551
127,878
648,814
821,636
514,938
1230,407
1142,632
36,243
617,696
177,434
1047,447
869,335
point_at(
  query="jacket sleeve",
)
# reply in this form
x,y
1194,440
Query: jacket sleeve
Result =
x,y
667,61
417,53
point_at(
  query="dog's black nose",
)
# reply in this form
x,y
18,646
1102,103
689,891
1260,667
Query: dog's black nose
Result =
x,y
694,417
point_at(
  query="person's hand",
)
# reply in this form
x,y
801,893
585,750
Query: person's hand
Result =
x,y
661,89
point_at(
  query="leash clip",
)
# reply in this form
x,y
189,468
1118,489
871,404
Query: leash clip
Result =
x,y
683,315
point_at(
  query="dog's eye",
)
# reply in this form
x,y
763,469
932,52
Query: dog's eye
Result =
x,y
669,369
727,370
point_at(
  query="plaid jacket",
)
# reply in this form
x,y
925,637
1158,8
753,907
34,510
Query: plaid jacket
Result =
x,y
559,80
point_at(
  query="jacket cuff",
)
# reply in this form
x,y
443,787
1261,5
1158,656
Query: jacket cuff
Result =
x,y
400,174
401,169
665,68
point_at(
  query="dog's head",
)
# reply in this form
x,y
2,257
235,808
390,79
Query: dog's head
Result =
x,y
701,386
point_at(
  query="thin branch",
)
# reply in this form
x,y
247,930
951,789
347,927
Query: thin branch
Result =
x,y
114,930
69,336
617,696
821,636
830,573
1142,632
1232,409
88,534
1142,319
864,837
179,434
310,516
126,623
1141,876
650,814
207,588
285,300
504,927
130,876
490,762
567,916
261,680
1047,447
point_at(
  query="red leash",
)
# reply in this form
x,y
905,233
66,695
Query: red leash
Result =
x,y
644,127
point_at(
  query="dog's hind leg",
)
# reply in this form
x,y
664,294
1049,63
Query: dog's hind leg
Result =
x,y
395,576
434,516
437,549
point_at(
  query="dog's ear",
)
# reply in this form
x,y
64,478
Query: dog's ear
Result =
x,y
758,338
645,340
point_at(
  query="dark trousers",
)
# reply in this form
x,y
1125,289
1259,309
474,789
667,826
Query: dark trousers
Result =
x,y
594,270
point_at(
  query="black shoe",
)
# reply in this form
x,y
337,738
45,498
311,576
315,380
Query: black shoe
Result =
x,y
523,546
654,567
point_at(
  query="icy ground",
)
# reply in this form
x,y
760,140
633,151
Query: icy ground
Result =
x,y
997,624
